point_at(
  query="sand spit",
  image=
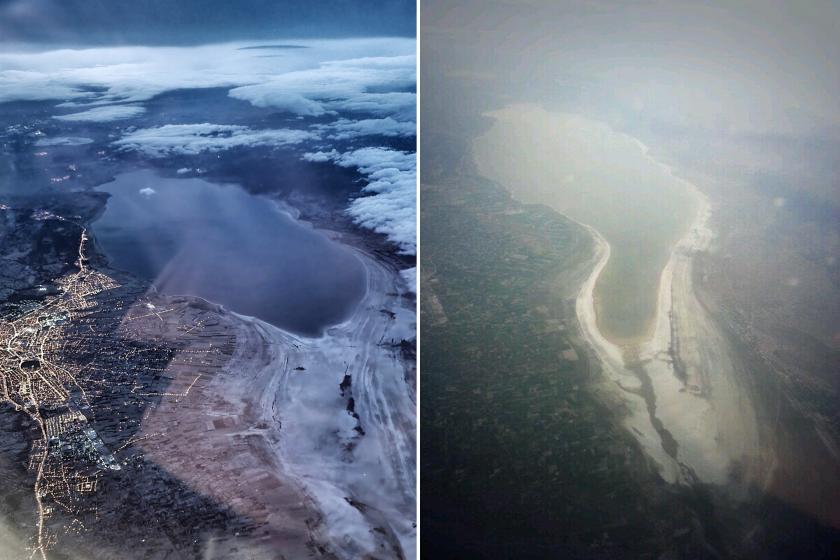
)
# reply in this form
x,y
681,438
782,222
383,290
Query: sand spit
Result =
x,y
347,410
687,401
686,398
622,379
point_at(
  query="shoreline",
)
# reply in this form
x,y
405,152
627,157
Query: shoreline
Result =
x,y
341,450
318,428
637,421
689,404
666,185
352,516
676,417
682,388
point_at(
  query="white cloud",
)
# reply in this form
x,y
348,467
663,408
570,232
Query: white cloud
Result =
x,y
332,84
344,129
390,208
303,81
401,105
64,141
147,191
104,114
192,139
291,102
320,156
25,85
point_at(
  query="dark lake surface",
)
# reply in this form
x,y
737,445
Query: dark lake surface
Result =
x,y
190,236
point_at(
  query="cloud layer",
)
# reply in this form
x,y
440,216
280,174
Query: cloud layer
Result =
x,y
390,207
193,139
401,105
301,80
344,129
107,113
336,84
63,141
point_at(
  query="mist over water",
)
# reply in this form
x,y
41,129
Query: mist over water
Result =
x,y
190,236
737,380
604,179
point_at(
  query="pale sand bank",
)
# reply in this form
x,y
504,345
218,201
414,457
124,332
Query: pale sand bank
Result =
x,y
606,179
695,387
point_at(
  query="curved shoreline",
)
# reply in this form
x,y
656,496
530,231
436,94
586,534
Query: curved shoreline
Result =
x,y
585,302
282,378
679,381
365,474
686,405
638,421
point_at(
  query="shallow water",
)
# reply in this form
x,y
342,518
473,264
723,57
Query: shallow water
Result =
x,y
604,179
190,236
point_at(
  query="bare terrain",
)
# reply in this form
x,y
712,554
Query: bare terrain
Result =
x,y
168,427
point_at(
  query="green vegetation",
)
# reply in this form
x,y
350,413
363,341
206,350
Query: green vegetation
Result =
x,y
519,458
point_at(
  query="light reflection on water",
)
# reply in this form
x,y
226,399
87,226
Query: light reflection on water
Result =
x,y
604,179
190,236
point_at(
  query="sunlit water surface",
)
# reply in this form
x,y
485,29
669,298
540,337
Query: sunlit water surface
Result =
x,y
602,178
190,236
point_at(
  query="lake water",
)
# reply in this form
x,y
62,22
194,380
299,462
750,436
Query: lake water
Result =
x,y
602,178
190,236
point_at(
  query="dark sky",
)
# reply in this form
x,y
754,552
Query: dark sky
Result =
x,y
180,22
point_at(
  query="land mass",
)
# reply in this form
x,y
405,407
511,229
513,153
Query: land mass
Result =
x,y
165,426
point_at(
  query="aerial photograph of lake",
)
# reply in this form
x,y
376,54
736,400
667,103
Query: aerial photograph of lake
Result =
x,y
629,280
